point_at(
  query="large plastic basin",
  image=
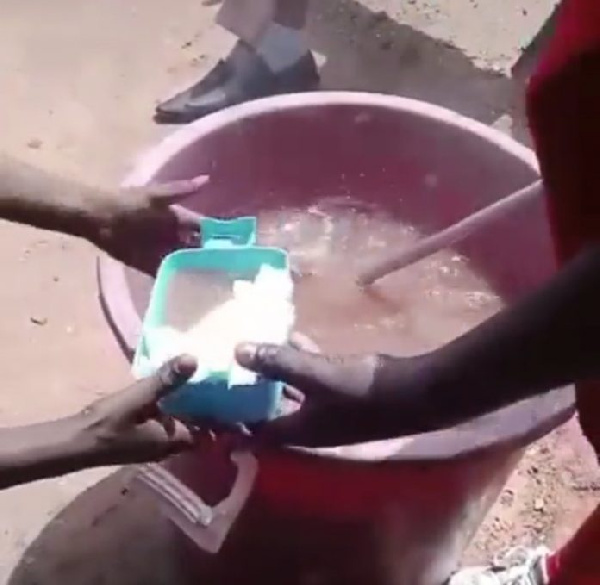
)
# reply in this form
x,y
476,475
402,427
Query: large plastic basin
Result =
x,y
398,513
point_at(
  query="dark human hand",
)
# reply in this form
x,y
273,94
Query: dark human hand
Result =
x,y
128,426
347,399
140,225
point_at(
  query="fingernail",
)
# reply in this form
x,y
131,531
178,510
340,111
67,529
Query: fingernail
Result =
x,y
190,238
184,366
246,354
200,180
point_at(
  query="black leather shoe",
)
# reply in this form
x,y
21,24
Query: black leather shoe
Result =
x,y
225,86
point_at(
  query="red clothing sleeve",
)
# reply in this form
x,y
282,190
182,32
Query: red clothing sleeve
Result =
x,y
563,108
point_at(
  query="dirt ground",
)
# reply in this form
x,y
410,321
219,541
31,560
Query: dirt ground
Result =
x,y
79,81
552,490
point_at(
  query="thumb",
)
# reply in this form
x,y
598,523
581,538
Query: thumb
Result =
x,y
171,192
167,379
314,374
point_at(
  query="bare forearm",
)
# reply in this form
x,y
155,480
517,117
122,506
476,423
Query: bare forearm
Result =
x,y
42,451
549,340
35,197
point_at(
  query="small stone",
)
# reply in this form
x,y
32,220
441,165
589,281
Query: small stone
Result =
x,y
376,19
34,144
539,504
38,320
507,497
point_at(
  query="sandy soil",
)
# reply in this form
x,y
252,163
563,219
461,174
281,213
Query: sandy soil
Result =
x,y
552,490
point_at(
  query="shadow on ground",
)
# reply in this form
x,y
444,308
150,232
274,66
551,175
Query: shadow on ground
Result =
x,y
368,51
110,534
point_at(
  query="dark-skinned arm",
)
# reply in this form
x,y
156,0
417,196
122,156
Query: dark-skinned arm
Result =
x,y
42,451
32,196
550,339
122,428
124,223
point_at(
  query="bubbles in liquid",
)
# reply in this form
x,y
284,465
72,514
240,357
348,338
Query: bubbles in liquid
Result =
x,y
409,312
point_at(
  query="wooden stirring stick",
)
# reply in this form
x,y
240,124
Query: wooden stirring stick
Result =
x,y
451,235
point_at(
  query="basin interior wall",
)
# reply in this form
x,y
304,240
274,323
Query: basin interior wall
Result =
x,y
424,172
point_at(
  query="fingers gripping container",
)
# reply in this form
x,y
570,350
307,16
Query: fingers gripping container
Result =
x,y
263,313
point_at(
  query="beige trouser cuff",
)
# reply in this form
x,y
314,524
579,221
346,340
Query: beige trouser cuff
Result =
x,y
248,19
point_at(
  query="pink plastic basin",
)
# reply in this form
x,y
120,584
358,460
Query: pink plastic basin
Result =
x,y
398,513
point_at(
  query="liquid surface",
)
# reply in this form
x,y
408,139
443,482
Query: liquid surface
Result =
x,y
414,310
409,312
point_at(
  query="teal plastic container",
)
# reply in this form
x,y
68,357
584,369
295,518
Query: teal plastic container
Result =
x,y
227,246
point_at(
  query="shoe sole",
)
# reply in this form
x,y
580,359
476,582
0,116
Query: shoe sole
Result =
x,y
175,118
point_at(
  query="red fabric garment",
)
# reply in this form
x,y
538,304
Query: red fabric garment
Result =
x,y
577,563
563,107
